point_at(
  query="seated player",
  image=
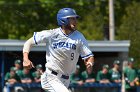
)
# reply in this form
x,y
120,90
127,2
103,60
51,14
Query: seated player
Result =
x,y
115,72
11,77
37,74
18,66
88,75
103,76
76,77
26,76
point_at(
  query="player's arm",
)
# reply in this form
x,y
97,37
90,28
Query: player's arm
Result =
x,y
86,53
26,49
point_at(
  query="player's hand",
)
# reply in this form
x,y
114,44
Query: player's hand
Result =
x,y
28,64
132,84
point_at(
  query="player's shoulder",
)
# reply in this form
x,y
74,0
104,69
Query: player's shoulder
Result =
x,y
48,31
78,33
84,72
80,37
51,30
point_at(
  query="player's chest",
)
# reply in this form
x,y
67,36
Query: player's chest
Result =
x,y
64,44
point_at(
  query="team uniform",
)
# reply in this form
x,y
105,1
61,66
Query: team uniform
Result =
x,y
130,74
86,76
64,45
62,53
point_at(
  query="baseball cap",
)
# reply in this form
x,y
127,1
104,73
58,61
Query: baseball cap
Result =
x,y
106,66
116,62
17,61
77,66
39,66
12,69
131,59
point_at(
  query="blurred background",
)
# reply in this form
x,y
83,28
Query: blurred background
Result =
x,y
104,23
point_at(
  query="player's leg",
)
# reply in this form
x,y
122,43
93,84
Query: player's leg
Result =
x,y
50,83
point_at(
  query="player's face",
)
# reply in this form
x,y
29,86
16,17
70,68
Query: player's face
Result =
x,y
117,66
73,22
18,66
104,71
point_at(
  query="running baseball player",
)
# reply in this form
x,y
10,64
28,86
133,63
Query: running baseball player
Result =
x,y
63,47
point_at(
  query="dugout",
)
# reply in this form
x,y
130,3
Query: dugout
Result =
x,y
105,52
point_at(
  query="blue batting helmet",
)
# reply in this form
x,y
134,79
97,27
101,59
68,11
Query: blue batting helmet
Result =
x,y
64,14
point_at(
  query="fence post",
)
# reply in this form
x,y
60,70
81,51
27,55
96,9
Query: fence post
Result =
x,y
2,70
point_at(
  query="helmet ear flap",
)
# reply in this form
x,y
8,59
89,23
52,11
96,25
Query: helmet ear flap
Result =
x,y
64,21
64,14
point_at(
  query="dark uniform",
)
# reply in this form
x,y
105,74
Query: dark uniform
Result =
x,y
11,78
76,76
37,74
76,79
115,72
26,76
18,66
104,77
130,76
85,75
12,75
88,75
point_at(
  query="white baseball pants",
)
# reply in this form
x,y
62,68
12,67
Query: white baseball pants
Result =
x,y
54,83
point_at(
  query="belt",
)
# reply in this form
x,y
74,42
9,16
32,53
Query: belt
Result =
x,y
63,76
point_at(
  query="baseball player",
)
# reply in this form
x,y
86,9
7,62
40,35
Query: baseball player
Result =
x,y
63,47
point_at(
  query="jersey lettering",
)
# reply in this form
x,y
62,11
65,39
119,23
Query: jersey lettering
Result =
x,y
64,45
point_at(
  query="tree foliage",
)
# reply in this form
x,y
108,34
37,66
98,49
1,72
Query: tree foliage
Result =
x,y
24,17
20,18
130,29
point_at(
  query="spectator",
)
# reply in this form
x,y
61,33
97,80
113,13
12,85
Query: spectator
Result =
x,y
115,72
88,75
76,79
103,76
11,78
131,76
37,77
37,74
18,66
26,76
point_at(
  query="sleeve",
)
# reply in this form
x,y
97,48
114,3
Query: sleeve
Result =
x,y
33,74
83,76
41,37
98,76
110,72
6,76
85,52
72,79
